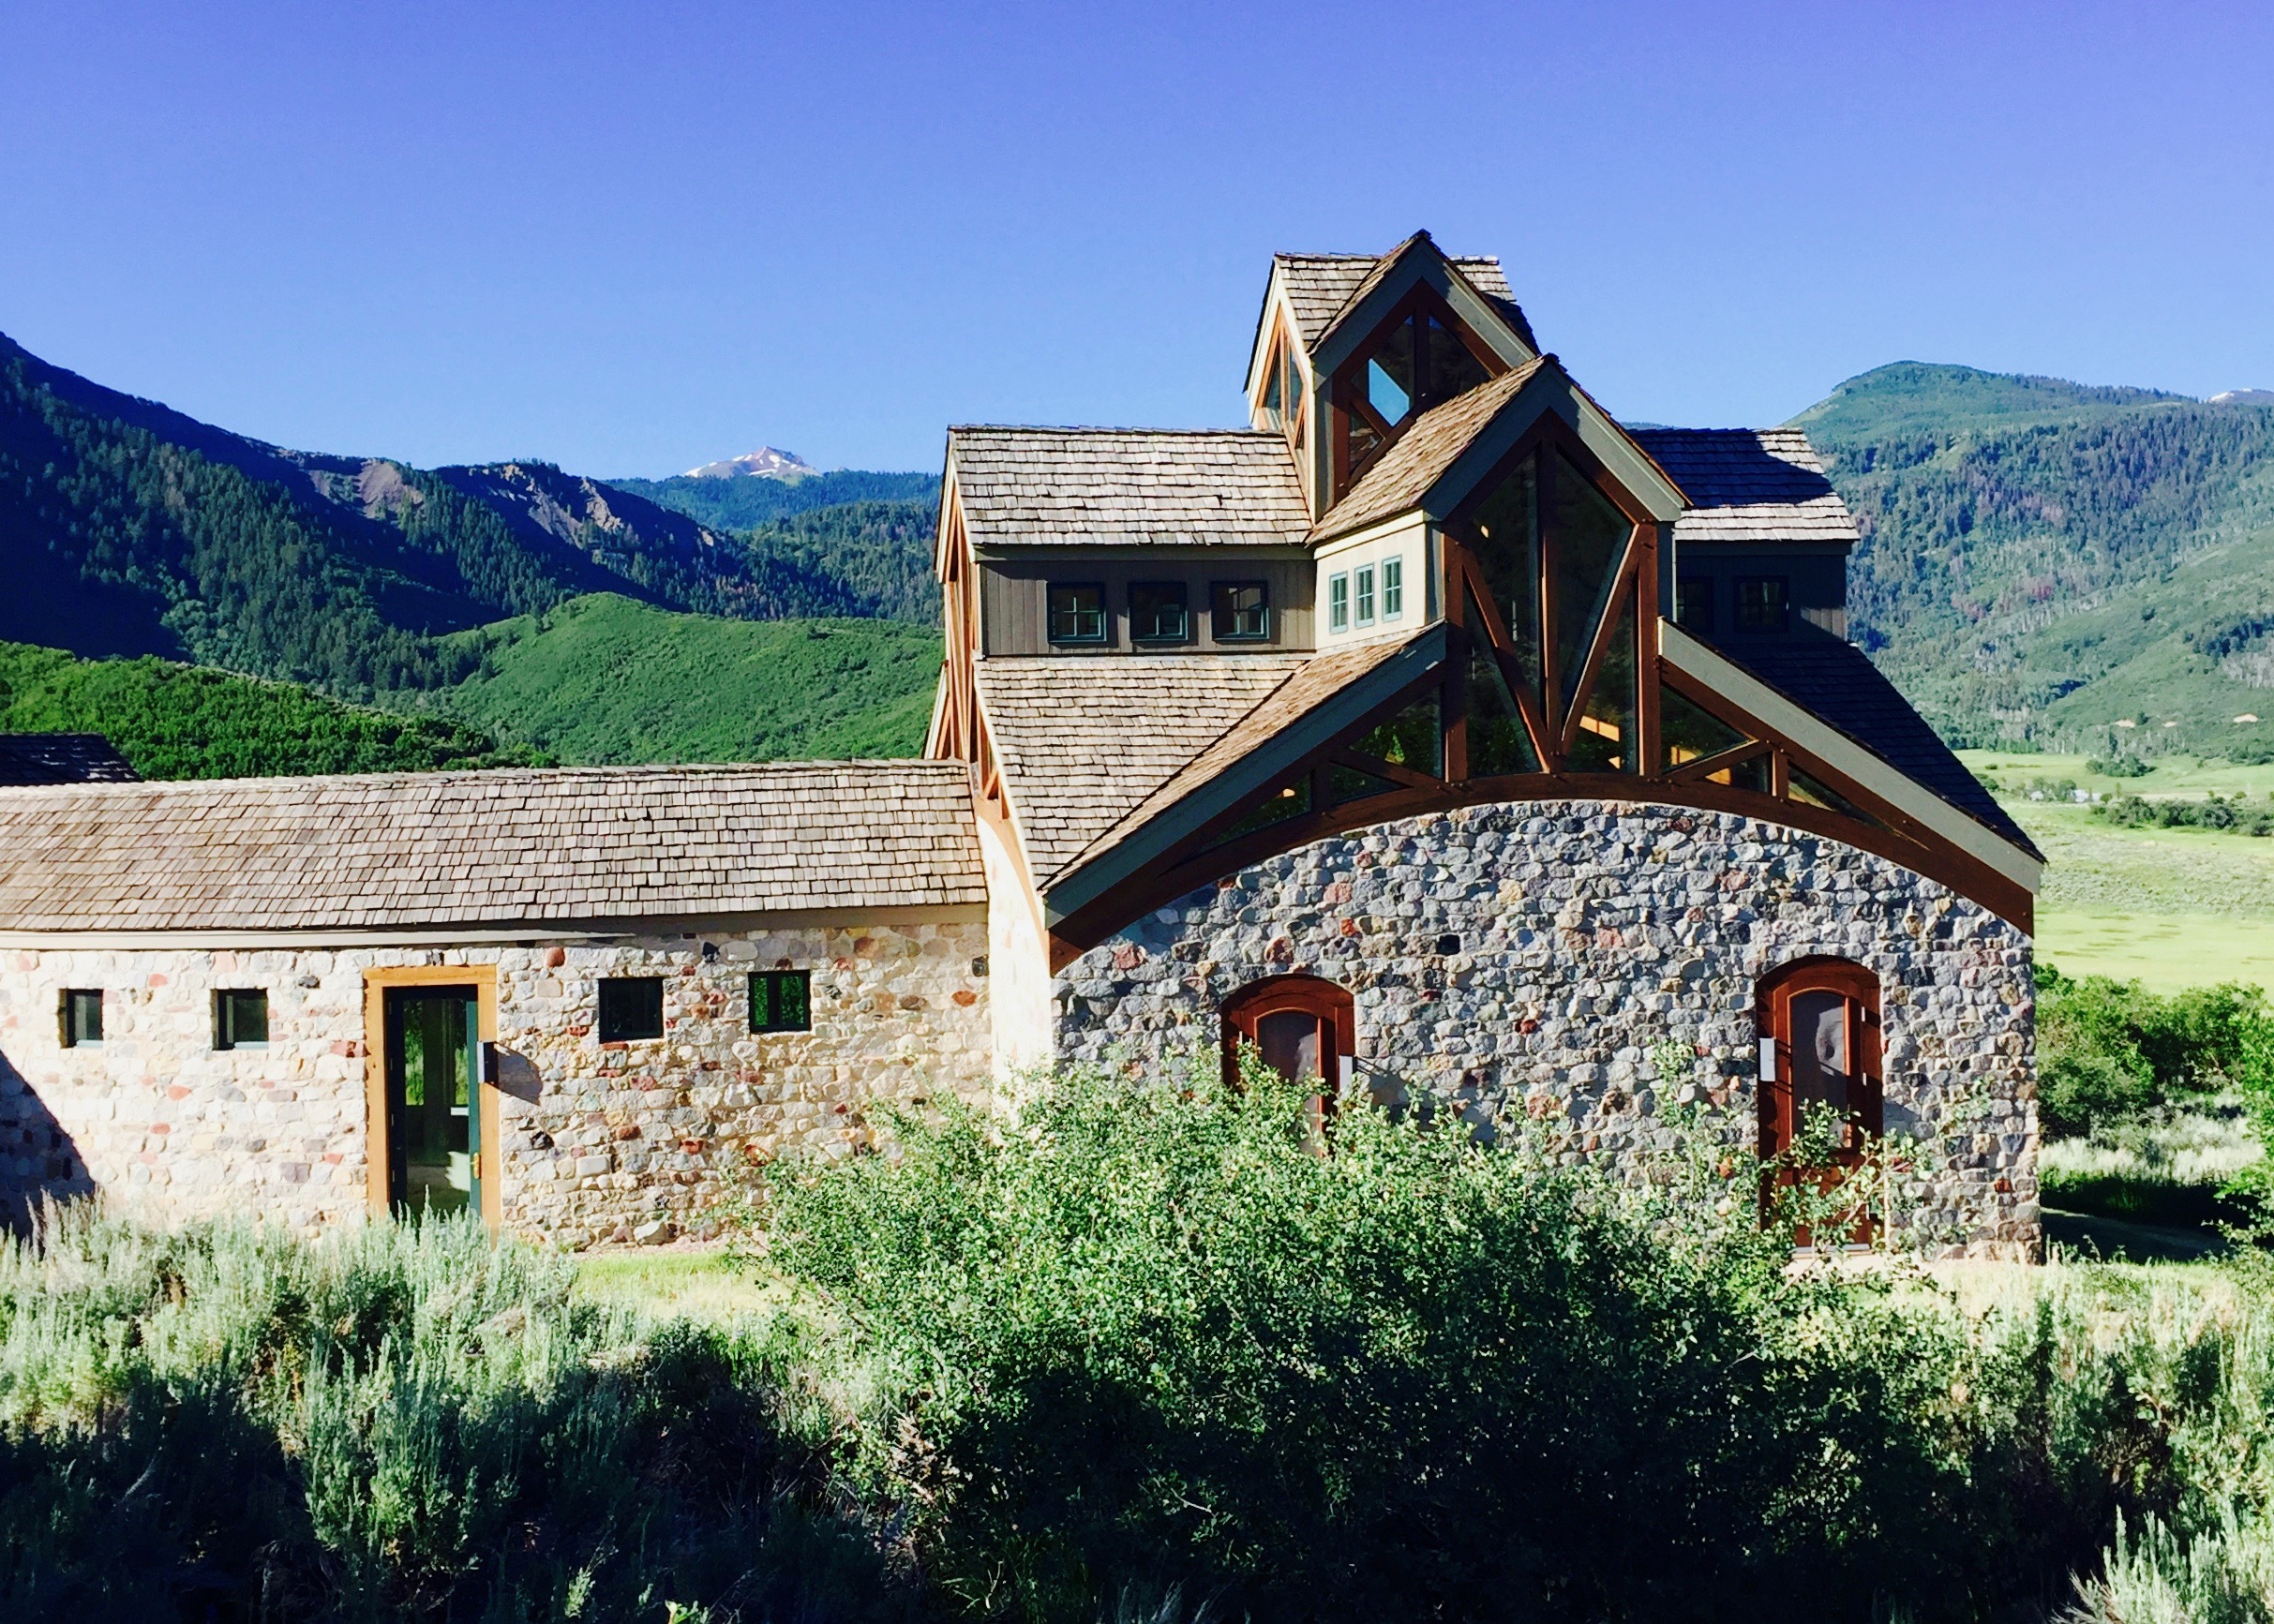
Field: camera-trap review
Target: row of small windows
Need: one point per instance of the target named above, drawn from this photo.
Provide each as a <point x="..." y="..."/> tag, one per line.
<point x="630" y="1006"/>
<point x="1763" y="604"/>
<point x="1240" y="612"/>
<point x="1359" y="597"/>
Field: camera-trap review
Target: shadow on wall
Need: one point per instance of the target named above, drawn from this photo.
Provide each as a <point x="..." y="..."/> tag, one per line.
<point x="39" y="1160"/>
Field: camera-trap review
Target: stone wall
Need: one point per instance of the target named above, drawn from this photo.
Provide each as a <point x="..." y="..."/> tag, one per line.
<point x="600" y="1141"/>
<point x="1528" y="957"/>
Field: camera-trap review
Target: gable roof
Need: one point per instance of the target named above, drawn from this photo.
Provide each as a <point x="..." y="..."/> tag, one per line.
<point x="1126" y="486"/>
<point x="1416" y="460"/>
<point x="1081" y="740"/>
<point x="29" y="758"/>
<point x="1320" y="287"/>
<point x="1749" y="484"/>
<point x="567" y="849"/>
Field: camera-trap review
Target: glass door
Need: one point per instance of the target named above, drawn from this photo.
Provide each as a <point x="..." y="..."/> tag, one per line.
<point x="434" y="1120"/>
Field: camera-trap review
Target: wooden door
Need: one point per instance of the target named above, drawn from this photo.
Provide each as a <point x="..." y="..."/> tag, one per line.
<point x="1820" y="1026"/>
<point x="1305" y="1028"/>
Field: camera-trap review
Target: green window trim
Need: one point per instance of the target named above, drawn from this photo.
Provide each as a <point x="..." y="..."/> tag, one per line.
<point x="1362" y="593"/>
<point x="1240" y="611"/>
<point x="630" y="1008"/>
<point x="781" y="1001"/>
<point x="1157" y="613"/>
<point x="1393" y="588"/>
<point x="240" y="1018"/>
<point x="80" y="1016"/>
<point x="1077" y="615"/>
<point x="1337" y="603"/>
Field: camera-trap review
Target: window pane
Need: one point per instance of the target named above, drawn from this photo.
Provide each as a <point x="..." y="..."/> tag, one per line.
<point x="1157" y="612"/>
<point x="1687" y="733"/>
<point x="1694" y="605"/>
<point x="1290" y="1043"/>
<point x="631" y="1006"/>
<point x="1814" y="792"/>
<point x="1338" y="603"/>
<point x="1077" y="613"/>
<point x="1820" y="1072"/>
<point x="1291" y="390"/>
<point x="1591" y="536"/>
<point x="1393" y="588"/>
<point x="1747" y="775"/>
<point x="1764" y="602"/>
<point x="1292" y="801"/>
<point x="1411" y="738"/>
<point x="1241" y="610"/>
<point x="1389" y="375"/>
<point x="1606" y="739"/>
<point x="1360" y="438"/>
<point x="243" y="1017"/>
<point x="1272" y="412"/>
<point x="780" y="1000"/>
<point x="1365" y="594"/>
<point x="1507" y="540"/>
<point x="1453" y="369"/>
<point x="83" y="1017"/>
<point x="1498" y="740"/>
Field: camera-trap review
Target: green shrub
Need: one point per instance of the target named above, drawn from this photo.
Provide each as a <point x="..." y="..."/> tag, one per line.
<point x="1149" y="1331"/>
<point x="403" y="1422"/>
<point x="2112" y="1053"/>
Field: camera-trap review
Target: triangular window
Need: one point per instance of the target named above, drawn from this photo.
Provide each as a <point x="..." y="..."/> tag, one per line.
<point x="1453" y="368"/>
<point x="1605" y="739"/>
<point x="1499" y="742"/>
<point x="1689" y="732"/>
<point x="1346" y="783"/>
<point x="1414" y="738"/>
<point x="1590" y="537"/>
<point x="1506" y="542"/>
<point x="1808" y="791"/>
<point x="1420" y="358"/>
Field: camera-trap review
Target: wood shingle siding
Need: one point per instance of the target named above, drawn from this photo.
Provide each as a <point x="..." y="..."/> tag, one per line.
<point x="1090" y="487"/>
<point x="1081" y="742"/>
<point x="487" y="850"/>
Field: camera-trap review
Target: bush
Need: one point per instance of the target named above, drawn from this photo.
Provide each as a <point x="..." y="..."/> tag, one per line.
<point x="405" y="1421"/>
<point x="2112" y="1053"/>
<point x="1150" y="1332"/>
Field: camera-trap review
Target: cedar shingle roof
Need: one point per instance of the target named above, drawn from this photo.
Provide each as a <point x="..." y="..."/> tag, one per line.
<point x="1123" y="487"/>
<point x="1838" y="681"/>
<point x="396" y="851"/>
<point x="1321" y="286"/>
<point x="1315" y="681"/>
<point x="1414" y="462"/>
<point x="1082" y="739"/>
<point x="1749" y="484"/>
<point x="29" y="758"/>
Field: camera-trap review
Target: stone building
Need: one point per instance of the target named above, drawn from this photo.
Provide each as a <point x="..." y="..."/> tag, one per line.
<point x="1434" y="733"/>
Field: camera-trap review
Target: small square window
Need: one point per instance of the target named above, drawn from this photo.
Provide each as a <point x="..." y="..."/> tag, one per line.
<point x="1363" y="590"/>
<point x="1242" y="611"/>
<point x="1694" y="605"/>
<point x="1077" y="613"/>
<point x="240" y="1018"/>
<point x="781" y="1001"/>
<point x="1337" y="603"/>
<point x="1764" y="603"/>
<point x="82" y="1017"/>
<point x="1393" y="588"/>
<point x="1157" y="613"/>
<point x="631" y="1006"/>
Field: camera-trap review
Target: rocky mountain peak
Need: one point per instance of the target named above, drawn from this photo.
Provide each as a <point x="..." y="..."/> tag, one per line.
<point x="763" y="463"/>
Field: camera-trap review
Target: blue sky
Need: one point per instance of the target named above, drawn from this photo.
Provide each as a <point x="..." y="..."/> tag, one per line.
<point x="631" y="238"/>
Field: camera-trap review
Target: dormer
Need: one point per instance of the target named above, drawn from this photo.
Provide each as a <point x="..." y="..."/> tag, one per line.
<point x="1350" y="348"/>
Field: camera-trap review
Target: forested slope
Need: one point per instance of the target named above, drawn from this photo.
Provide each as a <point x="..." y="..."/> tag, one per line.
<point x="2042" y="560"/>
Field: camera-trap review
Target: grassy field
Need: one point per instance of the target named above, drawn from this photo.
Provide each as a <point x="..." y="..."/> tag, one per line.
<point x="2171" y="908"/>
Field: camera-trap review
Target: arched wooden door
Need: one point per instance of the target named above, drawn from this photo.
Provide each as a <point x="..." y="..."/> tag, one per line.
<point x="1302" y="1025"/>
<point x="1818" y="1020"/>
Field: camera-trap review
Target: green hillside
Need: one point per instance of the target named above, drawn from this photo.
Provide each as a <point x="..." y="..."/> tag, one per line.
<point x="605" y="678"/>
<point x="2042" y="560"/>
<point x="173" y="721"/>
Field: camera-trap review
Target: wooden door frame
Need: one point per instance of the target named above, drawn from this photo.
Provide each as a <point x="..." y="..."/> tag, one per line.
<point x="483" y="979"/>
<point x="1298" y="990"/>
<point x="1773" y="1016"/>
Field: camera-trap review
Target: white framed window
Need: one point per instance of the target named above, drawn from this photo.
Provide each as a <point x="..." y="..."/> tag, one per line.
<point x="1364" y="593"/>
<point x="1393" y="588"/>
<point x="1337" y="603"/>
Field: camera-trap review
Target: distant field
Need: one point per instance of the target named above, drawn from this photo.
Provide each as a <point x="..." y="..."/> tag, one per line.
<point x="606" y="679"/>
<point x="2171" y="908"/>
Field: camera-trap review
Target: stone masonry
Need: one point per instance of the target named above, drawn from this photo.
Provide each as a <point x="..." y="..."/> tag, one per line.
<point x="600" y="1142"/>
<point x="1529" y="957"/>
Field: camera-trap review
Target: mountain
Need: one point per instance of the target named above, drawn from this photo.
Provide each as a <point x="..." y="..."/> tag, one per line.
<point x="745" y="504"/>
<point x="2042" y="559"/>
<point x="2244" y="398"/>
<point x="763" y="463"/>
<point x="608" y="678"/>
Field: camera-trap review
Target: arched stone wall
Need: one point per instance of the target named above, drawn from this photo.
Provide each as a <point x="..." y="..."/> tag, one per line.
<point x="1529" y="957"/>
